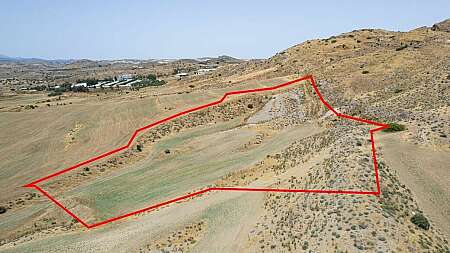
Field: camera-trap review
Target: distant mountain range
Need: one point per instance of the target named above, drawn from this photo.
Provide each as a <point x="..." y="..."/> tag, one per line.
<point x="5" y="58"/>
<point x="9" y="59"/>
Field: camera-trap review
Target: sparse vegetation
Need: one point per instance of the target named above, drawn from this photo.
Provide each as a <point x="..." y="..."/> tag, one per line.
<point x="401" y="47"/>
<point x="2" y="209"/>
<point x="55" y="93"/>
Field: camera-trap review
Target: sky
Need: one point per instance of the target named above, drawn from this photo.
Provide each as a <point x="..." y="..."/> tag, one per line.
<point x="94" y="29"/>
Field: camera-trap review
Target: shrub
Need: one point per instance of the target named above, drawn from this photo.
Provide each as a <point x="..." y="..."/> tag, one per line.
<point x="305" y="245"/>
<point x="55" y="93"/>
<point x="365" y="72"/>
<point x="250" y="106"/>
<point x="41" y="87"/>
<point x="421" y="221"/>
<point x="63" y="88"/>
<point x="151" y="77"/>
<point x="394" y="127"/>
<point x="80" y="89"/>
<point x="2" y="209"/>
<point x="401" y="47"/>
<point x="139" y="147"/>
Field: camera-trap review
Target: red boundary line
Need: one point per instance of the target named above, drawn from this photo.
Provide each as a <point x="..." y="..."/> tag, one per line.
<point x="304" y="78"/>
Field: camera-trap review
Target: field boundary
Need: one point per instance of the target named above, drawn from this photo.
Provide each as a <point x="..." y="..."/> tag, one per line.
<point x="309" y="78"/>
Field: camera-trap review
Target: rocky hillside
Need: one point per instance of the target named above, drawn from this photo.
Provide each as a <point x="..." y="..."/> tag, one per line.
<point x="401" y="77"/>
<point x="390" y="76"/>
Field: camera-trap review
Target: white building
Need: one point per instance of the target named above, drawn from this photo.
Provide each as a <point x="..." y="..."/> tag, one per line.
<point x="180" y="75"/>
<point x="78" y="85"/>
<point x="124" y="77"/>
<point x="204" y="71"/>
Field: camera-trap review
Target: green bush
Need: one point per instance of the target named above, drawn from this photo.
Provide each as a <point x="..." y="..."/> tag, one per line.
<point x="64" y="87"/>
<point x="2" y="209"/>
<point x="394" y="127"/>
<point x="80" y="89"/>
<point x="41" y="87"/>
<point x="420" y="221"/>
<point x="139" y="147"/>
<point x="365" y="72"/>
<point x="151" y="77"/>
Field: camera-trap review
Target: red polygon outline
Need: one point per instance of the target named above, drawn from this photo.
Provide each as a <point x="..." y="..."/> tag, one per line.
<point x="380" y="126"/>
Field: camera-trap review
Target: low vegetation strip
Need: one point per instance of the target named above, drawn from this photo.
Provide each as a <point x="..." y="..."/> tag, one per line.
<point x="308" y="78"/>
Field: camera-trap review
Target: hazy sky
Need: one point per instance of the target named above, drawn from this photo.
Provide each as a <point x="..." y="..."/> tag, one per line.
<point x="175" y="29"/>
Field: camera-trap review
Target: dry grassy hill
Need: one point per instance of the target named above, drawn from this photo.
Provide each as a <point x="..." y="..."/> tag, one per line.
<point x="284" y="139"/>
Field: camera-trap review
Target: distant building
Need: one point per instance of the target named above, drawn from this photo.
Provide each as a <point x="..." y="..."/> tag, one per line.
<point x="204" y="71"/>
<point x="181" y="75"/>
<point x="79" y="85"/>
<point x="124" y="77"/>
